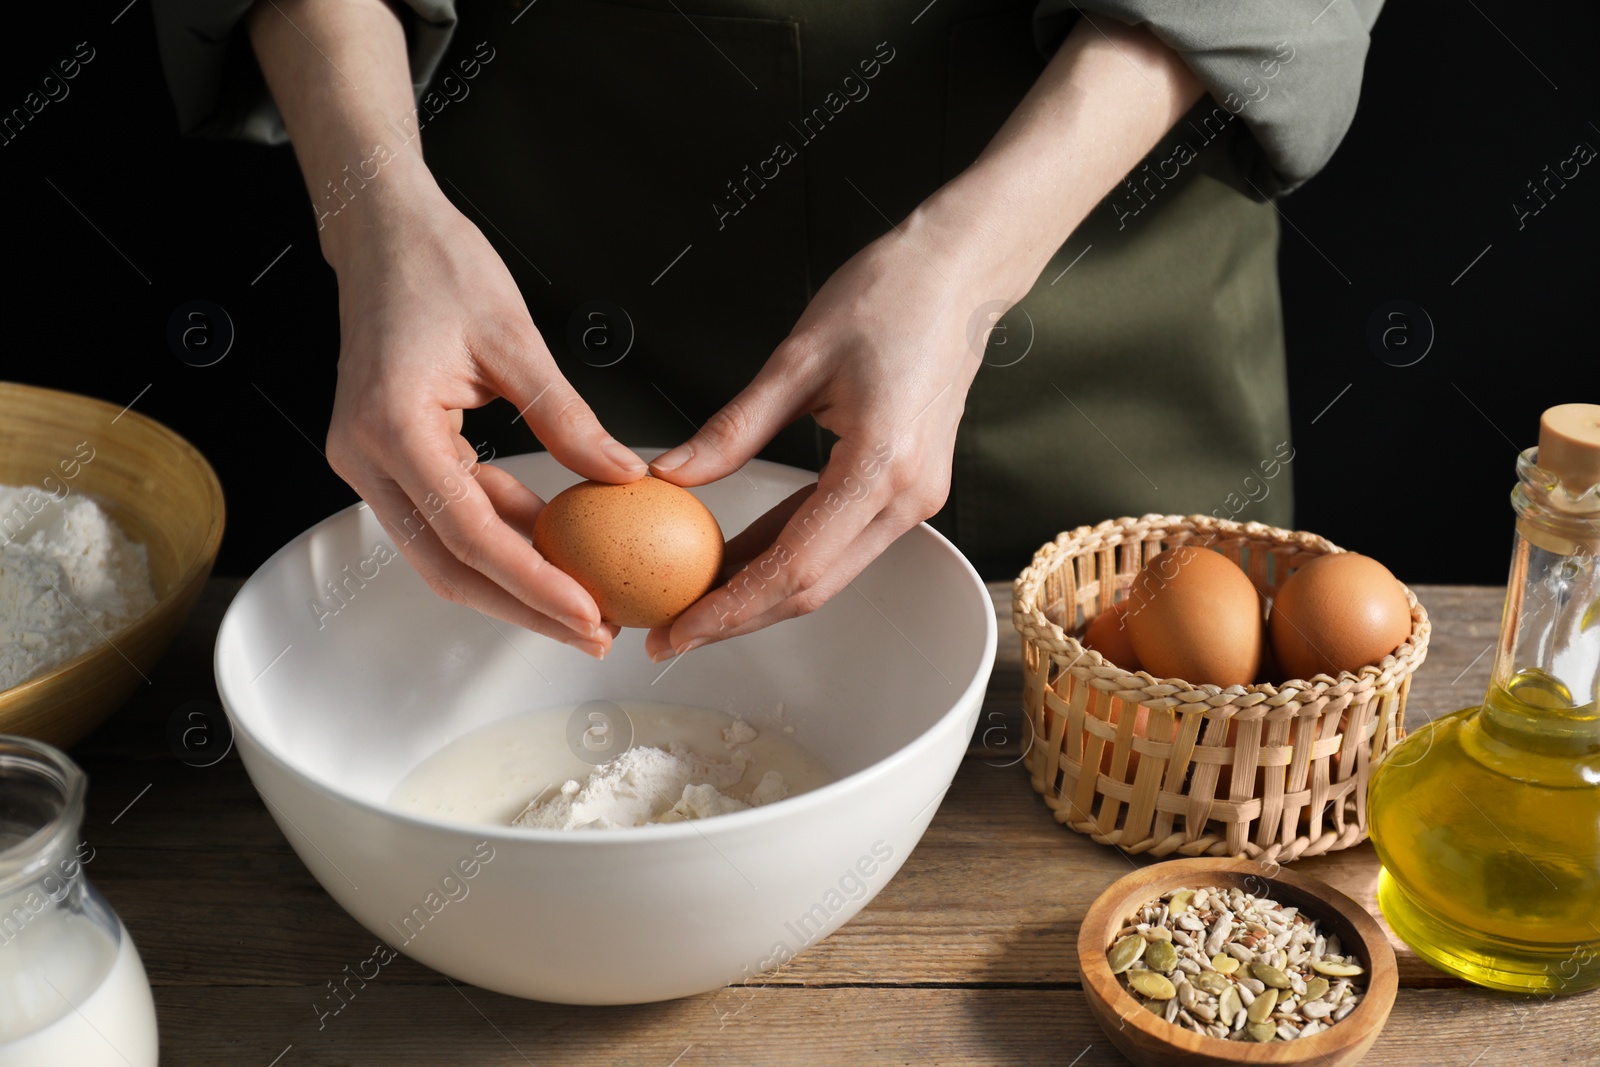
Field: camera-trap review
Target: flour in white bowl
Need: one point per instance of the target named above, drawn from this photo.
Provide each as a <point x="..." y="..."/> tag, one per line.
<point x="69" y="580"/>
<point x="671" y="762"/>
<point x="650" y="785"/>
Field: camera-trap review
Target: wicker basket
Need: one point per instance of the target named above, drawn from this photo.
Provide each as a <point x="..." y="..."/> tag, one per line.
<point x="1291" y="782"/>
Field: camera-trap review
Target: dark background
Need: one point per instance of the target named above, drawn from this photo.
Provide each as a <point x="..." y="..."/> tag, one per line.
<point x="1410" y="464"/>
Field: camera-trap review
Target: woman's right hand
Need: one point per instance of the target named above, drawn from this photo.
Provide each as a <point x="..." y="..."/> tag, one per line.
<point x="431" y="323"/>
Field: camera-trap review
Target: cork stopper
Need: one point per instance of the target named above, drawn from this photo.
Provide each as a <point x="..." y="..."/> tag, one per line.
<point x="1569" y="446"/>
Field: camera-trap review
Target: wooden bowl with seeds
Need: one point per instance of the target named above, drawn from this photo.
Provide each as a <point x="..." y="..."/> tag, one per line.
<point x="1321" y="963"/>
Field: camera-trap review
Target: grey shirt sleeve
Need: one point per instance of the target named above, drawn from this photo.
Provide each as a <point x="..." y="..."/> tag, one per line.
<point x="1291" y="69"/>
<point x="217" y="86"/>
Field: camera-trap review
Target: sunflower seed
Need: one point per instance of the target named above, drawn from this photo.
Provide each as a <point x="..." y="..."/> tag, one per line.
<point x="1231" y="965"/>
<point x="1219" y="934"/>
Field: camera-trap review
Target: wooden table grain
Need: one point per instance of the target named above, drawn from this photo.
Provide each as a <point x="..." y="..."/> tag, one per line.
<point x="965" y="958"/>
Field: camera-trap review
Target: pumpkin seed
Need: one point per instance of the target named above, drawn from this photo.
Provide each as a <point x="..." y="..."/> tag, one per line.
<point x="1153" y="985"/>
<point x="1270" y="975"/>
<point x="1160" y="957"/>
<point x="1228" y="1004"/>
<point x="1124" y="952"/>
<point x="1263" y="1006"/>
<point x="1262" y="1032"/>
<point x="1235" y="966"/>
<point x="1337" y="970"/>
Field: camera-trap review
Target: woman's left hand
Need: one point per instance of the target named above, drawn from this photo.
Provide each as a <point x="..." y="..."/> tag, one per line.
<point x="883" y="357"/>
<point x="887" y="349"/>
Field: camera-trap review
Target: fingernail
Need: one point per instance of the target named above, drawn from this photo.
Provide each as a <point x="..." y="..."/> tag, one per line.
<point x="622" y="455"/>
<point x="577" y="625"/>
<point x="675" y="458"/>
<point x="667" y="653"/>
<point x="591" y="648"/>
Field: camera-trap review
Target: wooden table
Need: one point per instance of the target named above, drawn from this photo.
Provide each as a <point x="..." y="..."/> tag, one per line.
<point x="967" y="957"/>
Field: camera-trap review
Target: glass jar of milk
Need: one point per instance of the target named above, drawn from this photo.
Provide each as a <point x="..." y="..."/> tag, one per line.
<point x="72" y="987"/>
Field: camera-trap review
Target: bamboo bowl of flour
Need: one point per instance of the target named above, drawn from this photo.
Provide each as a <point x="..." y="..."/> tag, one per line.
<point x="58" y="449"/>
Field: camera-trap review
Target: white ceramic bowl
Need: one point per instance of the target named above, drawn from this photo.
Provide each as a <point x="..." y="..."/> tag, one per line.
<point x="884" y="684"/>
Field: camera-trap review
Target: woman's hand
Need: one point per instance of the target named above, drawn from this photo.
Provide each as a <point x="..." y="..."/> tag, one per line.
<point x="883" y="357"/>
<point x="886" y="351"/>
<point x="432" y="323"/>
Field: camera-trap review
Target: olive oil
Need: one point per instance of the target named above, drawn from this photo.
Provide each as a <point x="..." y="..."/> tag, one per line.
<point x="1488" y="827"/>
<point x="1487" y="821"/>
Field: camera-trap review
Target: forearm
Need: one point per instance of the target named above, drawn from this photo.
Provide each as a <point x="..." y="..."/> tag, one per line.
<point x="1107" y="96"/>
<point x="339" y="73"/>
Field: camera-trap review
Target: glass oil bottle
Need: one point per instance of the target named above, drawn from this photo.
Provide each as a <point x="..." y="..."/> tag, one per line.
<point x="1487" y="821"/>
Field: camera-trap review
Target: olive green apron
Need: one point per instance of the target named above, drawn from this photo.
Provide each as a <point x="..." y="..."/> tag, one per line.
<point x="706" y="177"/>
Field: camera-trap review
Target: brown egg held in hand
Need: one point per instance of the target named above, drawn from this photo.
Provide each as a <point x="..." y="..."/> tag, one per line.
<point x="645" y="550"/>
<point x="1194" y="615"/>
<point x="1107" y="634"/>
<point x="1340" y="612"/>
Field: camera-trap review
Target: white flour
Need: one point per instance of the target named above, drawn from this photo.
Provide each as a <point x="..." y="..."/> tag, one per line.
<point x="652" y="785"/>
<point x="69" y="580"/>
